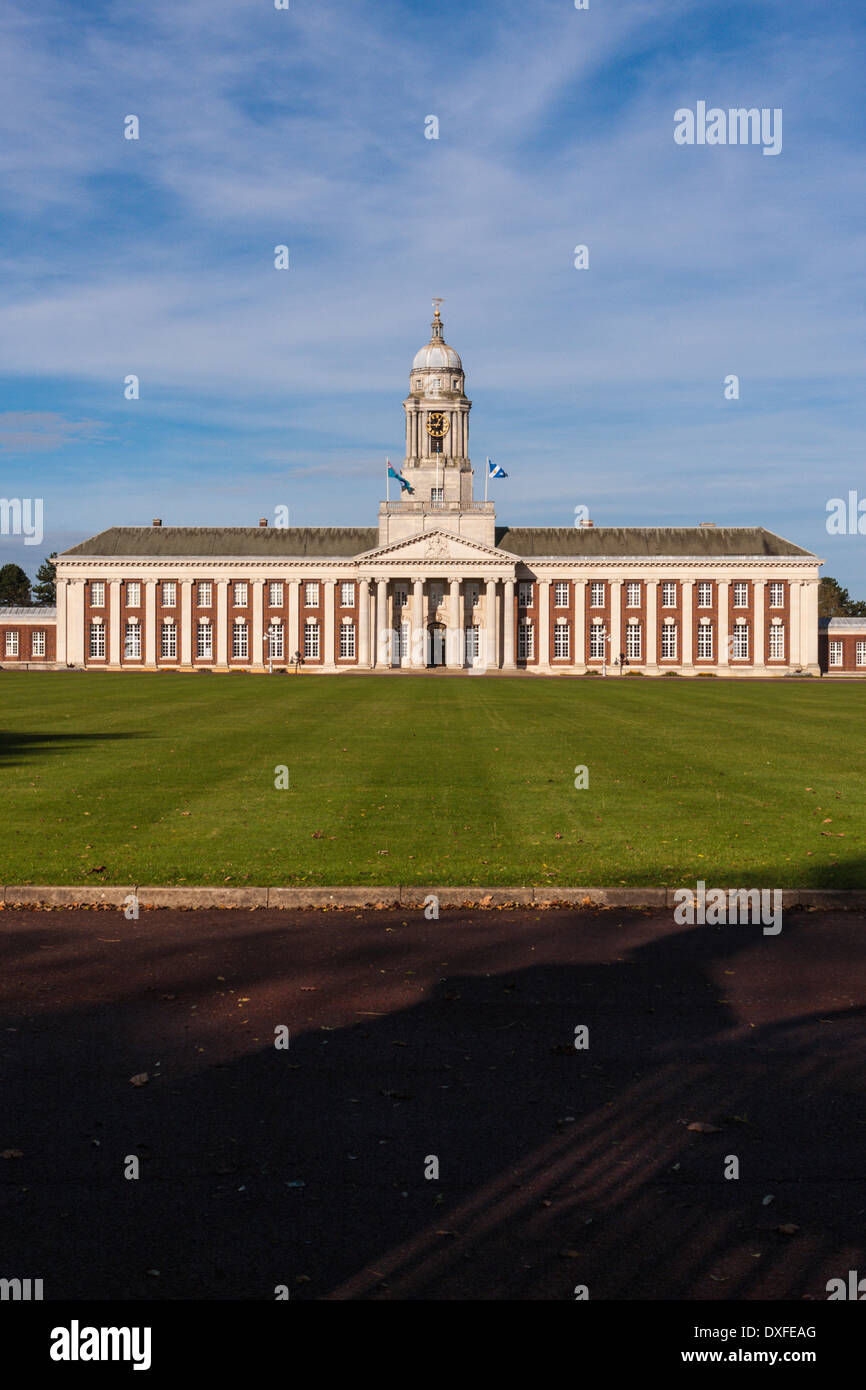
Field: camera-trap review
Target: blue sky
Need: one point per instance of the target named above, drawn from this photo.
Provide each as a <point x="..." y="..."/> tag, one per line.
<point x="305" y="127"/>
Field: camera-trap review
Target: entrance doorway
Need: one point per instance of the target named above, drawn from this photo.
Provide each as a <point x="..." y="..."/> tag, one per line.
<point x="436" y="644"/>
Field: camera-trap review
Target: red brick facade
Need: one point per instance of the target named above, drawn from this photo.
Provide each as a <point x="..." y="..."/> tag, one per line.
<point x="26" y="641"/>
<point x="119" y="631"/>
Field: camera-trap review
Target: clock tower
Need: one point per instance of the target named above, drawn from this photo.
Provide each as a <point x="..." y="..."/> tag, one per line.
<point x="437" y="464"/>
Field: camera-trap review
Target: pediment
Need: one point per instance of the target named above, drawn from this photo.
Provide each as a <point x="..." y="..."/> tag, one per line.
<point x="437" y="547"/>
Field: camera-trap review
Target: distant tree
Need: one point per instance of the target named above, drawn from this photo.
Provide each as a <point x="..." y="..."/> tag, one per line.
<point x="14" y="586"/>
<point x="45" y="588"/>
<point x="836" y="602"/>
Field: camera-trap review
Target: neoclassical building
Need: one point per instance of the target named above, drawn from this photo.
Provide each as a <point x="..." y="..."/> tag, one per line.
<point x="439" y="583"/>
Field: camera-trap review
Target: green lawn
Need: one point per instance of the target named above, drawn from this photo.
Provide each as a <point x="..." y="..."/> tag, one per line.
<point x="170" y="779"/>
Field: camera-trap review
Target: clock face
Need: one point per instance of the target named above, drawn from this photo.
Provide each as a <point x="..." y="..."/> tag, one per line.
<point x="438" y="424"/>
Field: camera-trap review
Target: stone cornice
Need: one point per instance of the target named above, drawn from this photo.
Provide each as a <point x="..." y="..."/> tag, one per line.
<point x="704" y="562"/>
<point x="393" y="564"/>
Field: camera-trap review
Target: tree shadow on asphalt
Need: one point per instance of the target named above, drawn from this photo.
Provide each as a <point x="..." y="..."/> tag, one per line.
<point x="558" y="1167"/>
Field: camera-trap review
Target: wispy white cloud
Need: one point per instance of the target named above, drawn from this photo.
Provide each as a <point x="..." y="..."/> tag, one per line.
<point x="35" y="431"/>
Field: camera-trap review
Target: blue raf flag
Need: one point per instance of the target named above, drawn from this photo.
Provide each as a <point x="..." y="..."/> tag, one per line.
<point x="494" y="471"/>
<point x="404" y="486"/>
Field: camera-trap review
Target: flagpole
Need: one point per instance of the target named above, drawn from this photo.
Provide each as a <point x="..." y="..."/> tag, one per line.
<point x="387" y="480"/>
<point x="486" y="479"/>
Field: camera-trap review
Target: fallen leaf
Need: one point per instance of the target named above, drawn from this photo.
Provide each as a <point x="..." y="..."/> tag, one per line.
<point x="789" y="1229"/>
<point x="141" y="1078"/>
<point x="12" y="1153"/>
<point x="698" y="1127"/>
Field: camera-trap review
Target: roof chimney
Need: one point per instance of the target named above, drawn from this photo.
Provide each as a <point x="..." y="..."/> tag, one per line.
<point x="708" y="523"/>
<point x="157" y="521"/>
<point x="263" y="521"/>
<point x="587" y="523"/>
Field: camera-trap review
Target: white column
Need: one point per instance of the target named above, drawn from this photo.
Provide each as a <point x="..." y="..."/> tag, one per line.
<point x="185" y="647"/>
<point x="544" y="622"/>
<point x="383" y="641"/>
<point x="418" y="644"/>
<point x="652" y="613"/>
<point x="150" y="622"/>
<point x="454" y="655"/>
<point x="293" y="635"/>
<point x="60" y="638"/>
<point x="75" y="622"/>
<point x="364" y="622"/>
<point x="759" y="639"/>
<point x="258" y="652"/>
<point x="221" y="653"/>
<point x="580" y="623"/>
<point x="490" y="624"/>
<point x="509" y="662"/>
<point x="687" y="635"/>
<point x="114" y="649"/>
<point x="795" y="594"/>
<point x="615" y="620"/>
<point x="330" y="595"/>
<point x="809" y="625"/>
<point x="722" y="658"/>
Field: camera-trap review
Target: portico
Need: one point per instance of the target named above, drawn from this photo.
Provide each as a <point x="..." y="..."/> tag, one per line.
<point x="419" y="594"/>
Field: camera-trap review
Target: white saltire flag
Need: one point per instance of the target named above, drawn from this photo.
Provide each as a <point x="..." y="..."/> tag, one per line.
<point x="493" y="471"/>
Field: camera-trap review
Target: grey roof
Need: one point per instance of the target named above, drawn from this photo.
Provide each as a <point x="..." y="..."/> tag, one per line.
<point x="346" y="541"/>
<point x="843" y="624"/>
<point x="34" y="611"/>
<point x="589" y="541"/>
<point x="265" y="541"/>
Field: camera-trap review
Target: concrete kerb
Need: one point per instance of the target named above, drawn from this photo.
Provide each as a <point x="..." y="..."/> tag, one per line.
<point x="87" y="895"/>
<point x="467" y="897"/>
<point x="95" y="895"/>
<point x="600" y="897"/>
<point x="201" y="897"/>
<point x="333" y="897"/>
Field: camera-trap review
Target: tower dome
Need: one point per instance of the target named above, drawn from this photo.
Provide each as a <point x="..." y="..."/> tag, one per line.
<point x="437" y="354"/>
